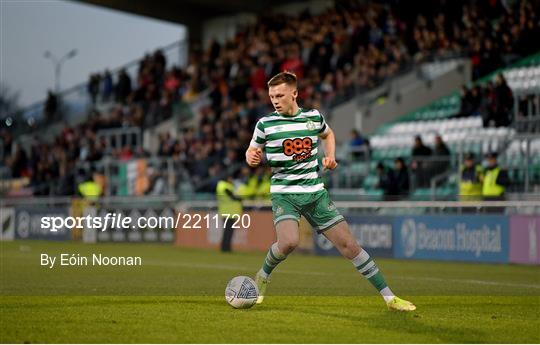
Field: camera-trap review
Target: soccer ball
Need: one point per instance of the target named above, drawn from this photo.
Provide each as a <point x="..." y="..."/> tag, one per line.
<point x="241" y="292"/>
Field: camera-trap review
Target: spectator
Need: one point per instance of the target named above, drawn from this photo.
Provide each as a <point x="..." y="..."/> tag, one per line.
<point x="263" y="175"/>
<point x="420" y="165"/>
<point x="157" y="184"/>
<point x="488" y="107"/>
<point x="7" y="143"/>
<point x="229" y="204"/>
<point x="494" y="183"/>
<point x="386" y="181"/>
<point x="476" y="100"/>
<point x="93" y="87"/>
<point x="19" y="164"/>
<point x="294" y="63"/>
<point x="471" y="177"/>
<point x="356" y="144"/>
<point x="400" y="183"/>
<point x="89" y="188"/>
<point x="467" y="106"/>
<point x="495" y="180"/>
<point x="66" y="180"/>
<point x="123" y="86"/>
<point x="172" y="82"/>
<point x="419" y="149"/>
<point x="51" y="106"/>
<point x="442" y="156"/>
<point x="107" y="87"/>
<point x="505" y="102"/>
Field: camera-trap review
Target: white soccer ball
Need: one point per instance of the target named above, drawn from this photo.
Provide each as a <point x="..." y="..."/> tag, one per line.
<point x="241" y="292"/>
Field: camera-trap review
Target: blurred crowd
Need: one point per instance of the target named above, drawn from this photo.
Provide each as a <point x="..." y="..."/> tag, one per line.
<point x="351" y="47"/>
<point x="426" y="162"/>
<point x="494" y="102"/>
<point x="476" y="181"/>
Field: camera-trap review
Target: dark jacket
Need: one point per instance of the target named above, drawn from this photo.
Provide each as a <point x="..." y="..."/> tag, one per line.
<point x="399" y="183"/>
<point x="421" y="151"/>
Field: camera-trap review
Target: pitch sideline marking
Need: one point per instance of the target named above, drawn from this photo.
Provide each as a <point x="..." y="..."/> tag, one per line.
<point x="243" y="268"/>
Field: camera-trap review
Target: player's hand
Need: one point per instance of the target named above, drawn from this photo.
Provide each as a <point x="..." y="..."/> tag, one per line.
<point x="329" y="163"/>
<point x="254" y="157"/>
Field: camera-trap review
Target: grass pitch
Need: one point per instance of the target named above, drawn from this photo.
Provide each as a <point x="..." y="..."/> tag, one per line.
<point x="177" y="296"/>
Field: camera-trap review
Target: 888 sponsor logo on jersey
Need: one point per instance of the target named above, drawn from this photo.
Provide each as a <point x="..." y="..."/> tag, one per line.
<point x="299" y="148"/>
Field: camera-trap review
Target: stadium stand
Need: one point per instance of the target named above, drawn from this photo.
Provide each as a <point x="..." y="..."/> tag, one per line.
<point x="468" y="134"/>
<point x="338" y="54"/>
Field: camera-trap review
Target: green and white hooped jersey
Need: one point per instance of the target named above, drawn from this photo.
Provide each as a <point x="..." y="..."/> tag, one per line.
<point x="291" y="145"/>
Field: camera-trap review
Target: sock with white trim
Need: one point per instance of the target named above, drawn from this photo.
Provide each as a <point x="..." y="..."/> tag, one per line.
<point x="367" y="267"/>
<point x="273" y="258"/>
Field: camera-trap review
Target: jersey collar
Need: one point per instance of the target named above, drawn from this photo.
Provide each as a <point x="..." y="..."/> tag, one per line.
<point x="291" y="116"/>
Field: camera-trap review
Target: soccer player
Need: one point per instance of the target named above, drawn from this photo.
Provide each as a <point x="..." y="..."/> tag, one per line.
<point x="290" y="139"/>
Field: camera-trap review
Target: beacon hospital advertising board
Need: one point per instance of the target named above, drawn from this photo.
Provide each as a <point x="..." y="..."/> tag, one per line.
<point x="453" y="238"/>
<point x="439" y="237"/>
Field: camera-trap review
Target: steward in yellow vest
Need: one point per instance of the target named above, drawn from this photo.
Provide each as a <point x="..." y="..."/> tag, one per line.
<point x="263" y="189"/>
<point x="229" y="208"/>
<point x="261" y="186"/>
<point x="228" y="202"/>
<point x="247" y="184"/>
<point x="495" y="180"/>
<point x="89" y="189"/>
<point x="470" y="182"/>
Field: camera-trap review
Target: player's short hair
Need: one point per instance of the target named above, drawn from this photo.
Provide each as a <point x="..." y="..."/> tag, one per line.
<point x="285" y="77"/>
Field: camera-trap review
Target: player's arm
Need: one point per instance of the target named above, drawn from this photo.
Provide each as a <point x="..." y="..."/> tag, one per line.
<point x="254" y="151"/>
<point x="329" y="143"/>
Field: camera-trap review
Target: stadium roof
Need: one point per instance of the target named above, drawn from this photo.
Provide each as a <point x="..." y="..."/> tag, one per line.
<point x="191" y="13"/>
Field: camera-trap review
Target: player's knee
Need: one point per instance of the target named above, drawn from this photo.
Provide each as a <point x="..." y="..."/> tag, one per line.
<point x="349" y="249"/>
<point x="287" y="245"/>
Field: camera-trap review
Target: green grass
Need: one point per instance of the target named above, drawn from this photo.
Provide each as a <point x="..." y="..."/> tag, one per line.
<point x="177" y="296"/>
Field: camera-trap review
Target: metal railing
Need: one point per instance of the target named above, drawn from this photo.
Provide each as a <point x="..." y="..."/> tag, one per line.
<point x="118" y="138"/>
<point x="439" y="171"/>
<point x="137" y="177"/>
<point x="515" y="204"/>
<point x="159" y="175"/>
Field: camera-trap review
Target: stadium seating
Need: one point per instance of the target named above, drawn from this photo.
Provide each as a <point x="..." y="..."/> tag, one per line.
<point x="464" y="134"/>
<point x="221" y="96"/>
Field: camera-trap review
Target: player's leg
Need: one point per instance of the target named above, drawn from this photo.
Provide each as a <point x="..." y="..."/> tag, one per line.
<point x="326" y="219"/>
<point x="286" y="218"/>
<point x="287" y="240"/>
<point x="342" y="238"/>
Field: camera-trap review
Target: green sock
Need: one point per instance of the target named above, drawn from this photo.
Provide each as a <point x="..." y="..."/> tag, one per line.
<point x="273" y="258"/>
<point x="367" y="267"/>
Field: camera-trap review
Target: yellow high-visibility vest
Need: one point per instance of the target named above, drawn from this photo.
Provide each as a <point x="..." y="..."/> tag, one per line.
<point x="469" y="188"/>
<point x="90" y="190"/>
<point x="263" y="189"/>
<point x="490" y="187"/>
<point x="226" y="205"/>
